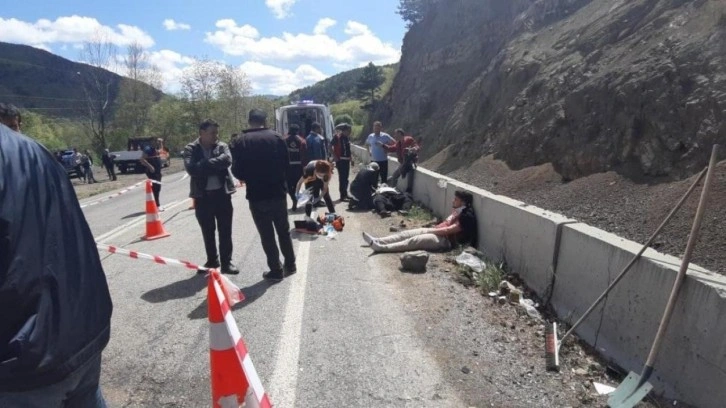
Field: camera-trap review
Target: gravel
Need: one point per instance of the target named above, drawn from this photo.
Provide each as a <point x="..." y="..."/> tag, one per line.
<point x="630" y="209"/>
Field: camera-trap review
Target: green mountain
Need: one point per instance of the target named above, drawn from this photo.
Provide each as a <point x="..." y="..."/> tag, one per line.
<point x="336" y="89"/>
<point x="41" y="82"/>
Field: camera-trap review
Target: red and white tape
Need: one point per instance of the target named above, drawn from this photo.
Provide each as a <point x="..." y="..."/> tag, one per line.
<point x="154" y="258"/>
<point x="112" y="196"/>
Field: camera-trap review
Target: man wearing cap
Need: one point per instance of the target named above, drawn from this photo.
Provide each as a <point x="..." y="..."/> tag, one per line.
<point x="152" y="161"/>
<point x="343" y="158"/>
<point x="297" y="154"/>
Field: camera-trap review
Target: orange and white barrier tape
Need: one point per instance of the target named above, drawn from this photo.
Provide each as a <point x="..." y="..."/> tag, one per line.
<point x="232" y="293"/>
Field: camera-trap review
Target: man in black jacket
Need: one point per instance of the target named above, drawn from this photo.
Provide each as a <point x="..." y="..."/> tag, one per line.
<point x="55" y="307"/>
<point x="107" y="160"/>
<point x="207" y="160"/>
<point x="260" y="160"/>
<point x="364" y="185"/>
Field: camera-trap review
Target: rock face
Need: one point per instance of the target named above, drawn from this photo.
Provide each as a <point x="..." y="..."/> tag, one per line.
<point x="634" y="86"/>
<point x="414" y="261"/>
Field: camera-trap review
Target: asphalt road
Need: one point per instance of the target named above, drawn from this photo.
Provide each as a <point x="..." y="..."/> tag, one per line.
<point x="336" y="334"/>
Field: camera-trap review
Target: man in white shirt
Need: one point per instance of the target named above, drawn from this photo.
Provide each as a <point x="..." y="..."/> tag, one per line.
<point x="377" y="142"/>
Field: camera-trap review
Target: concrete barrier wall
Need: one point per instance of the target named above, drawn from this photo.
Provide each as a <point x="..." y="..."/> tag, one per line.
<point x="691" y="365"/>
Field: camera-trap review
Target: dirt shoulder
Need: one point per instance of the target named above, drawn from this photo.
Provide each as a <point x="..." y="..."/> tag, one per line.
<point x="615" y="204"/>
<point x="492" y="353"/>
<point x="104" y="185"/>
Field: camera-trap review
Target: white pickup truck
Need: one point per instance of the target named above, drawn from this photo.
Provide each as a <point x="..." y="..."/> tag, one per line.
<point x="304" y="114"/>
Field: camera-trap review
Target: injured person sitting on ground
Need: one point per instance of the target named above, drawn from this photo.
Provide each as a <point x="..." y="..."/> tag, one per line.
<point x="460" y="228"/>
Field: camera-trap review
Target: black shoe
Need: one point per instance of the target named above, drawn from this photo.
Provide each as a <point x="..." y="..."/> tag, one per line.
<point x="345" y="198"/>
<point x="274" y="277"/>
<point x="230" y="269"/>
<point x="289" y="270"/>
<point x="211" y="264"/>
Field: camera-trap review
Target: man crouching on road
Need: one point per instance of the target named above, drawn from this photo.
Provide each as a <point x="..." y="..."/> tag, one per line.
<point x="208" y="161"/>
<point x="55" y="308"/>
<point x="260" y="160"/>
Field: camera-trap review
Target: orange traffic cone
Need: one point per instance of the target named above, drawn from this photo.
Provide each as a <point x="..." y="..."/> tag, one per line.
<point x="233" y="376"/>
<point x="154" y="227"/>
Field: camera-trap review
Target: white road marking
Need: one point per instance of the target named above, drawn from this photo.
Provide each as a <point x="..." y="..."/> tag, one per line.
<point x="283" y="385"/>
<point x="133" y="223"/>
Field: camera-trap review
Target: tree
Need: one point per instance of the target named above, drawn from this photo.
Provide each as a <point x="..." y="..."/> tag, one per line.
<point x="414" y="11"/>
<point x="344" y="118"/>
<point x="199" y="85"/>
<point x="98" y="87"/>
<point x="368" y="84"/>
<point x="170" y="121"/>
<point x="233" y="88"/>
<point x="137" y="92"/>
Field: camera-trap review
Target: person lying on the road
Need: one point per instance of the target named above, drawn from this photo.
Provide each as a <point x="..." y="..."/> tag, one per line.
<point x="316" y="176"/>
<point x="458" y="229"/>
<point x="364" y="185"/>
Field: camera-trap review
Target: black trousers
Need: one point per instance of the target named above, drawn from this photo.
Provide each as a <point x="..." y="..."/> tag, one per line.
<point x="317" y="187"/>
<point x="405" y="170"/>
<point x="111" y="171"/>
<point x="343" y="167"/>
<point x="383" y="172"/>
<point x="155" y="187"/>
<point x="294" y="172"/>
<point x="214" y="212"/>
<point x="270" y="216"/>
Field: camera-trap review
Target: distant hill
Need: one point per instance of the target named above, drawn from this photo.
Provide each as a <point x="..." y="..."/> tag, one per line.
<point x="45" y="83"/>
<point x="338" y="88"/>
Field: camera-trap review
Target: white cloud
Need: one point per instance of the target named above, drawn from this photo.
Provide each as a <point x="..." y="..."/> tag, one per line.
<point x="267" y="79"/>
<point x="323" y="25"/>
<point x="361" y="46"/>
<point x="171" y="64"/>
<point x="280" y="8"/>
<point x="172" y="25"/>
<point x="72" y="29"/>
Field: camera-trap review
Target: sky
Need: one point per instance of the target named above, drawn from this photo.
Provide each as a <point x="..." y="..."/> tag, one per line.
<point x="281" y="45"/>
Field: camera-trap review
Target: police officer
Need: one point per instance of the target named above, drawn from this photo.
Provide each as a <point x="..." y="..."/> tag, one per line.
<point x="297" y="153"/>
<point x="343" y="158"/>
<point x="151" y="160"/>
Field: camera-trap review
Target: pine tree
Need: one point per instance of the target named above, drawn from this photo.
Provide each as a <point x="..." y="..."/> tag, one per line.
<point x="368" y="84"/>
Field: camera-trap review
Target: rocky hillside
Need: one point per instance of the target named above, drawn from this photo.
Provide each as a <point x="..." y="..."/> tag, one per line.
<point x="632" y="86"/>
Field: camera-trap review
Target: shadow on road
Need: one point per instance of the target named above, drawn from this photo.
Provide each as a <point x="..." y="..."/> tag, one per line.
<point x="132" y="215"/>
<point x="251" y="293"/>
<point x="177" y="290"/>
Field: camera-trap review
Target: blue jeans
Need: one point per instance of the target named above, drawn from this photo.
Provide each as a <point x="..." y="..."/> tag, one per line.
<point x="79" y="390"/>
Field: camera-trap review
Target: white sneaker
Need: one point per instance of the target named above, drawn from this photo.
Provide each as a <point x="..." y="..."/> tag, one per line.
<point x="161" y="209"/>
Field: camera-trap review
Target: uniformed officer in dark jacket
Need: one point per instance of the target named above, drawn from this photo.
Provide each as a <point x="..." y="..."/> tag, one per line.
<point x="342" y="156"/>
<point x="152" y="161"/>
<point x="297" y="154"/>
<point x="208" y="161"/>
<point x="259" y="158"/>
<point x="55" y="307"/>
